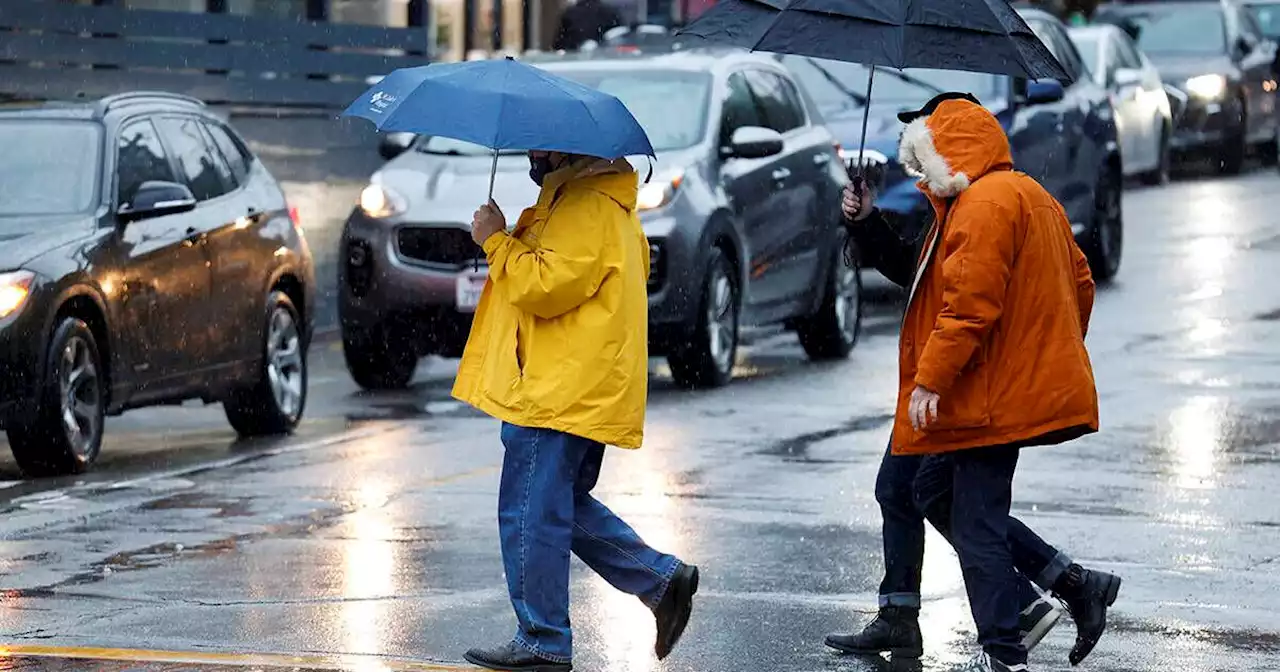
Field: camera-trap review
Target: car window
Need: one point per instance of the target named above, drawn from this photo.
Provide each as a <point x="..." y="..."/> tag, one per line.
<point x="140" y="157"/>
<point x="740" y="108"/>
<point x="1129" y="57"/>
<point x="196" y="159"/>
<point x="220" y="161"/>
<point x="1247" y="26"/>
<point x="1192" y="29"/>
<point x="1267" y="16"/>
<point x="237" y="156"/>
<point x="50" y="167"/>
<point x="1091" y="50"/>
<point x="1062" y="47"/>
<point x="781" y="111"/>
<point x="670" y="105"/>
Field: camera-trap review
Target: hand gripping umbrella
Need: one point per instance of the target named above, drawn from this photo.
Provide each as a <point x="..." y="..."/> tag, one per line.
<point x="503" y="104"/>
<point x="973" y="35"/>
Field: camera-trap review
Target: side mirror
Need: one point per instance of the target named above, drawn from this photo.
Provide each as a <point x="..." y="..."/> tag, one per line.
<point x="1042" y="91"/>
<point x="1126" y="77"/>
<point x="754" y="142"/>
<point x="394" y="144"/>
<point x="157" y="199"/>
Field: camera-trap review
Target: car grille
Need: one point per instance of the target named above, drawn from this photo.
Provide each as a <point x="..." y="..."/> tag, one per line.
<point x="446" y="246"/>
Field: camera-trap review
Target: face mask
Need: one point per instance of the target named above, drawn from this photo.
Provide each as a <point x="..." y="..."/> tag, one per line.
<point x="539" y="168"/>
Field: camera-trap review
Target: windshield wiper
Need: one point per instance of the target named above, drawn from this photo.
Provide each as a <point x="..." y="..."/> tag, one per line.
<point x="858" y="98"/>
<point x="904" y="77"/>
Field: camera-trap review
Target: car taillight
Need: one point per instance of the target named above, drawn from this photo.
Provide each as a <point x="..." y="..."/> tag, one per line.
<point x="295" y="218"/>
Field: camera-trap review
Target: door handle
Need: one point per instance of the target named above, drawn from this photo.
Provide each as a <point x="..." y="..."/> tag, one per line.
<point x="781" y="174"/>
<point x="821" y="159"/>
<point x="193" y="236"/>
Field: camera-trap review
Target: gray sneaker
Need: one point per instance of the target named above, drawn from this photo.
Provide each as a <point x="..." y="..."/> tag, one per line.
<point x="1037" y="620"/>
<point x="983" y="662"/>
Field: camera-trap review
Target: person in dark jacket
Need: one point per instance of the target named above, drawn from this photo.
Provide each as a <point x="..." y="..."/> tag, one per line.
<point x="917" y="481"/>
<point x="582" y="21"/>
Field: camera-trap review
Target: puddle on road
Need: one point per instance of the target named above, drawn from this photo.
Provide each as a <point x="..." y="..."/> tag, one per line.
<point x="796" y="448"/>
<point x="239" y="507"/>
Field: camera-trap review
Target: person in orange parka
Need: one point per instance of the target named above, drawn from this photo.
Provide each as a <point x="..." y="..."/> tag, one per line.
<point x="991" y="360"/>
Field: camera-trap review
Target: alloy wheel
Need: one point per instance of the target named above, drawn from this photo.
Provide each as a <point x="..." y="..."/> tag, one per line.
<point x="848" y="302"/>
<point x="80" y="392"/>
<point x="722" y="320"/>
<point x="285" y="362"/>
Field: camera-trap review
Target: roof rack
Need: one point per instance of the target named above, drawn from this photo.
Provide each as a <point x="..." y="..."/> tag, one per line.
<point x="140" y="96"/>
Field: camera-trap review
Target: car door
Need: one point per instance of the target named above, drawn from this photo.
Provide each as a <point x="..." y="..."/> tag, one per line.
<point x="165" y="283"/>
<point x="784" y="260"/>
<point x="1151" y="98"/>
<point x="1075" y="168"/>
<point x="210" y="329"/>
<point x="1131" y="103"/>
<point x="1040" y="146"/>
<point x="748" y="182"/>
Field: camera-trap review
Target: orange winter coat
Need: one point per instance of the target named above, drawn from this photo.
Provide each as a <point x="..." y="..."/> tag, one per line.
<point x="1001" y="298"/>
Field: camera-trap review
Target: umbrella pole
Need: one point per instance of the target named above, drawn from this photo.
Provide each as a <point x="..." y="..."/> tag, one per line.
<point x="866" y="114"/>
<point x="493" y="172"/>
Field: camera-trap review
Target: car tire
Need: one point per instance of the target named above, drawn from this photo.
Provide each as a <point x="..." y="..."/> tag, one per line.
<point x="832" y="332"/>
<point x="275" y="403"/>
<point x="1106" y="234"/>
<point x="65" y="434"/>
<point x="376" y="361"/>
<point x="706" y="359"/>
<point x="1160" y="174"/>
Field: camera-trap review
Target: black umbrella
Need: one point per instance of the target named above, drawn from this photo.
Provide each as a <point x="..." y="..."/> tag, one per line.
<point x="974" y="35"/>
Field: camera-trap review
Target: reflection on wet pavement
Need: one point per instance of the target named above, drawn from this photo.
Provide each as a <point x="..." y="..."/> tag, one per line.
<point x="376" y="535"/>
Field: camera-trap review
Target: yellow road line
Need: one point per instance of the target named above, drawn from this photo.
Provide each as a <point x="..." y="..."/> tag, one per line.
<point x="316" y="662"/>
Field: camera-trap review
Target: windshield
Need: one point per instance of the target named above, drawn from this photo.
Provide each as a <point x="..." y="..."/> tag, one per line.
<point x="671" y="105"/>
<point x="1087" y="45"/>
<point x="891" y="86"/>
<point x="1185" y="30"/>
<point x="1268" y="16"/>
<point x="50" y="167"/>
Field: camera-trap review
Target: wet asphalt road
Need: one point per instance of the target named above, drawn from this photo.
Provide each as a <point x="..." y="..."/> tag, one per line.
<point x="371" y="534"/>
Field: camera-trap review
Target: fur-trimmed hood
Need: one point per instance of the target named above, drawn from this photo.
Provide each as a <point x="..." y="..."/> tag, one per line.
<point x="954" y="147"/>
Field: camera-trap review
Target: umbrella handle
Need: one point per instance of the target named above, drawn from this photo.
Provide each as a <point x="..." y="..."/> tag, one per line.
<point x="493" y="172"/>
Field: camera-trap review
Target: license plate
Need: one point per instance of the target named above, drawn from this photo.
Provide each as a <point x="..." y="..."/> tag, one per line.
<point x="469" y="288"/>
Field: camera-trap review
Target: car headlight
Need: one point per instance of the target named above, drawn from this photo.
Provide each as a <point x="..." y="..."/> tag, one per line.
<point x="379" y="201"/>
<point x="15" y="287"/>
<point x="658" y="192"/>
<point x="1207" y="86"/>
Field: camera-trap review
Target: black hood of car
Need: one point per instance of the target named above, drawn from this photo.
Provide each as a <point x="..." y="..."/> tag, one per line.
<point x="1177" y="68"/>
<point x="26" y="237"/>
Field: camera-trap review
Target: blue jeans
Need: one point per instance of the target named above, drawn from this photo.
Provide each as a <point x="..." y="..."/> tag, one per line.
<point x="545" y="510"/>
<point x="911" y="489"/>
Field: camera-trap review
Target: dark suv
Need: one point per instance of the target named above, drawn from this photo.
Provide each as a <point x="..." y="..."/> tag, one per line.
<point x="742" y="215"/>
<point x="146" y="257"/>
<point x="1215" y="52"/>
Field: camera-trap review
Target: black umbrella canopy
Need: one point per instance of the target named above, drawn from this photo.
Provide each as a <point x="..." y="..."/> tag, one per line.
<point x="974" y="35"/>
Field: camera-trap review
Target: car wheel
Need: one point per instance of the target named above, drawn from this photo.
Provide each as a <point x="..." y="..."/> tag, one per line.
<point x="832" y="332"/>
<point x="376" y="361"/>
<point x="65" y="435"/>
<point x="274" y="404"/>
<point x="1160" y="174"/>
<point x="1106" y="239"/>
<point x="707" y="358"/>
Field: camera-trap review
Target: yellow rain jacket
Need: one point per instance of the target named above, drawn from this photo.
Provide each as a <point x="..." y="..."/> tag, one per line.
<point x="560" y="337"/>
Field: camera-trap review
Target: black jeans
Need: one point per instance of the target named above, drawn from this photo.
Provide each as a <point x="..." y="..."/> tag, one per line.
<point x="910" y="488"/>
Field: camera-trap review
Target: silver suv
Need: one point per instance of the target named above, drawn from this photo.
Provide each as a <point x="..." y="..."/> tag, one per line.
<point x="742" y="215"/>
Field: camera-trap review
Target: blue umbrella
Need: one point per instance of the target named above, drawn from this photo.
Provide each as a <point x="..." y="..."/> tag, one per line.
<point x="503" y="104"/>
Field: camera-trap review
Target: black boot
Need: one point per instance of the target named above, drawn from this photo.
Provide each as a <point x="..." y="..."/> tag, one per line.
<point x="513" y="658"/>
<point x="1087" y="594"/>
<point x="674" y="610"/>
<point x="895" y="630"/>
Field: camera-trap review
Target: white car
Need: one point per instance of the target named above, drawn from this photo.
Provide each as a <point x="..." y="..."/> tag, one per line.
<point x="1144" y="119"/>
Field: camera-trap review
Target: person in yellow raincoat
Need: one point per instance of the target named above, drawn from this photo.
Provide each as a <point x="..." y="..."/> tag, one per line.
<point x="558" y="352"/>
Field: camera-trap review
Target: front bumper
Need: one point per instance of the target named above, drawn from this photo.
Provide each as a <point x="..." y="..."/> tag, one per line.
<point x="22" y="356"/>
<point x="1205" y="124"/>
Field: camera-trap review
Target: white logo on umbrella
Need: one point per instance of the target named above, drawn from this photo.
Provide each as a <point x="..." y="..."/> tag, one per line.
<point x="380" y="101"/>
